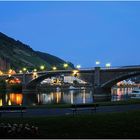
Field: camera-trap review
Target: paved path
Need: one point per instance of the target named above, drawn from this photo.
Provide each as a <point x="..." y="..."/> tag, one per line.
<point x="68" y="111"/>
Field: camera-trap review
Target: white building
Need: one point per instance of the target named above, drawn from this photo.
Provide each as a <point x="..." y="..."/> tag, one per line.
<point x="67" y="79"/>
<point x="70" y="79"/>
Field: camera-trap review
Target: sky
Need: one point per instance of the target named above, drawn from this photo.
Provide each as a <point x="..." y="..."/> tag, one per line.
<point x="79" y="32"/>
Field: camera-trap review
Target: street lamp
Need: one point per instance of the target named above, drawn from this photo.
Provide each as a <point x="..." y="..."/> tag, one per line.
<point x="54" y="68"/>
<point x="42" y="67"/>
<point x="24" y="69"/>
<point x="20" y="71"/>
<point x="35" y="70"/>
<point x="78" y="66"/>
<point x="108" y="65"/>
<point x="65" y="65"/>
<point x="97" y="62"/>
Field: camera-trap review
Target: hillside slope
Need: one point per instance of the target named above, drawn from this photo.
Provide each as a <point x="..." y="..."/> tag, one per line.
<point x="53" y="60"/>
<point x="16" y="55"/>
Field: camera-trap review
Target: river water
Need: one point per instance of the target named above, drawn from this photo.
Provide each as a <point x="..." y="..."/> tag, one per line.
<point x="56" y="97"/>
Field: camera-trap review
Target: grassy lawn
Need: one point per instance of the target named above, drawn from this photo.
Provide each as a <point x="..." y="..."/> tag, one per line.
<point x="109" y="125"/>
<point x="127" y="102"/>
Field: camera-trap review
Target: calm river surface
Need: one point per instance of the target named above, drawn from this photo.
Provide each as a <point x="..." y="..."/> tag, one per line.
<point x="56" y="97"/>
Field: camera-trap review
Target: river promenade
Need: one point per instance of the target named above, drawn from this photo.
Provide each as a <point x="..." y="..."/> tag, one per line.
<point x="42" y="112"/>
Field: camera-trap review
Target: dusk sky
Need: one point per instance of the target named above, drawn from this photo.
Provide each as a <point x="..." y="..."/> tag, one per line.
<point x="79" y="32"/>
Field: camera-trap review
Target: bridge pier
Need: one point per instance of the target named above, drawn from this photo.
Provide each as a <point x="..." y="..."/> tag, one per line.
<point x="97" y="83"/>
<point x="26" y="89"/>
<point x="100" y="90"/>
<point x="96" y="77"/>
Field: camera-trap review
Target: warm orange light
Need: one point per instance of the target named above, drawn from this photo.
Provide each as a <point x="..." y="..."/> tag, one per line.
<point x="35" y="75"/>
<point x="15" y="81"/>
<point x="12" y="96"/>
<point x="16" y="98"/>
<point x="57" y="97"/>
<point x="10" y="72"/>
<point x="1" y="72"/>
<point x="1" y="102"/>
<point x="19" y="98"/>
<point x="75" y="72"/>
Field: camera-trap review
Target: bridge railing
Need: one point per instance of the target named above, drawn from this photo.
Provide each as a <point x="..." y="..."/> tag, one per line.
<point x="87" y="68"/>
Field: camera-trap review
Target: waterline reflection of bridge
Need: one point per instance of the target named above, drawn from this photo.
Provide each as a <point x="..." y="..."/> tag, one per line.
<point x="57" y="97"/>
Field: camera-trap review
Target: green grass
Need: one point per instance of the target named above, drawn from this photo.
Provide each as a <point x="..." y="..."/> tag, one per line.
<point x="127" y="102"/>
<point x="109" y="125"/>
<point x="50" y="106"/>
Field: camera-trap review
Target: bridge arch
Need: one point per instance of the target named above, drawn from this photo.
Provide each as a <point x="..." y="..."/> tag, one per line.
<point x="114" y="81"/>
<point x="35" y="81"/>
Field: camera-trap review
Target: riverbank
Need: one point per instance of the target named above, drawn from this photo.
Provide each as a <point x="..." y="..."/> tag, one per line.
<point x="108" y="103"/>
<point x="100" y="125"/>
<point x="113" y="121"/>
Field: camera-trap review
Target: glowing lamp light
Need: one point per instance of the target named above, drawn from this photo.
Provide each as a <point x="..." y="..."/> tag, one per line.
<point x="35" y="75"/>
<point x="54" y="68"/>
<point x="35" y="70"/>
<point x="78" y="66"/>
<point x="108" y="65"/>
<point x="1" y="72"/>
<point x="1" y="104"/>
<point x="20" y="71"/>
<point x="75" y="72"/>
<point x="19" y="98"/>
<point x="17" y="81"/>
<point x="42" y="67"/>
<point x="24" y="69"/>
<point x="65" y="65"/>
<point x="9" y="102"/>
<point x="16" y="98"/>
<point x="11" y="72"/>
<point x="97" y="62"/>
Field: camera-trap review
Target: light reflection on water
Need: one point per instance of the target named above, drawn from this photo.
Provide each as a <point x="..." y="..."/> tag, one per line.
<point x="70" y="97"/>
<point x="55" y="97"/>
<point x="11" y="99"/>
<point x="120" y="94"/>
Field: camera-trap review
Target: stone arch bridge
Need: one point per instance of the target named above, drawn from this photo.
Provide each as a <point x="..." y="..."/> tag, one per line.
<point x="102" y="79"/>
